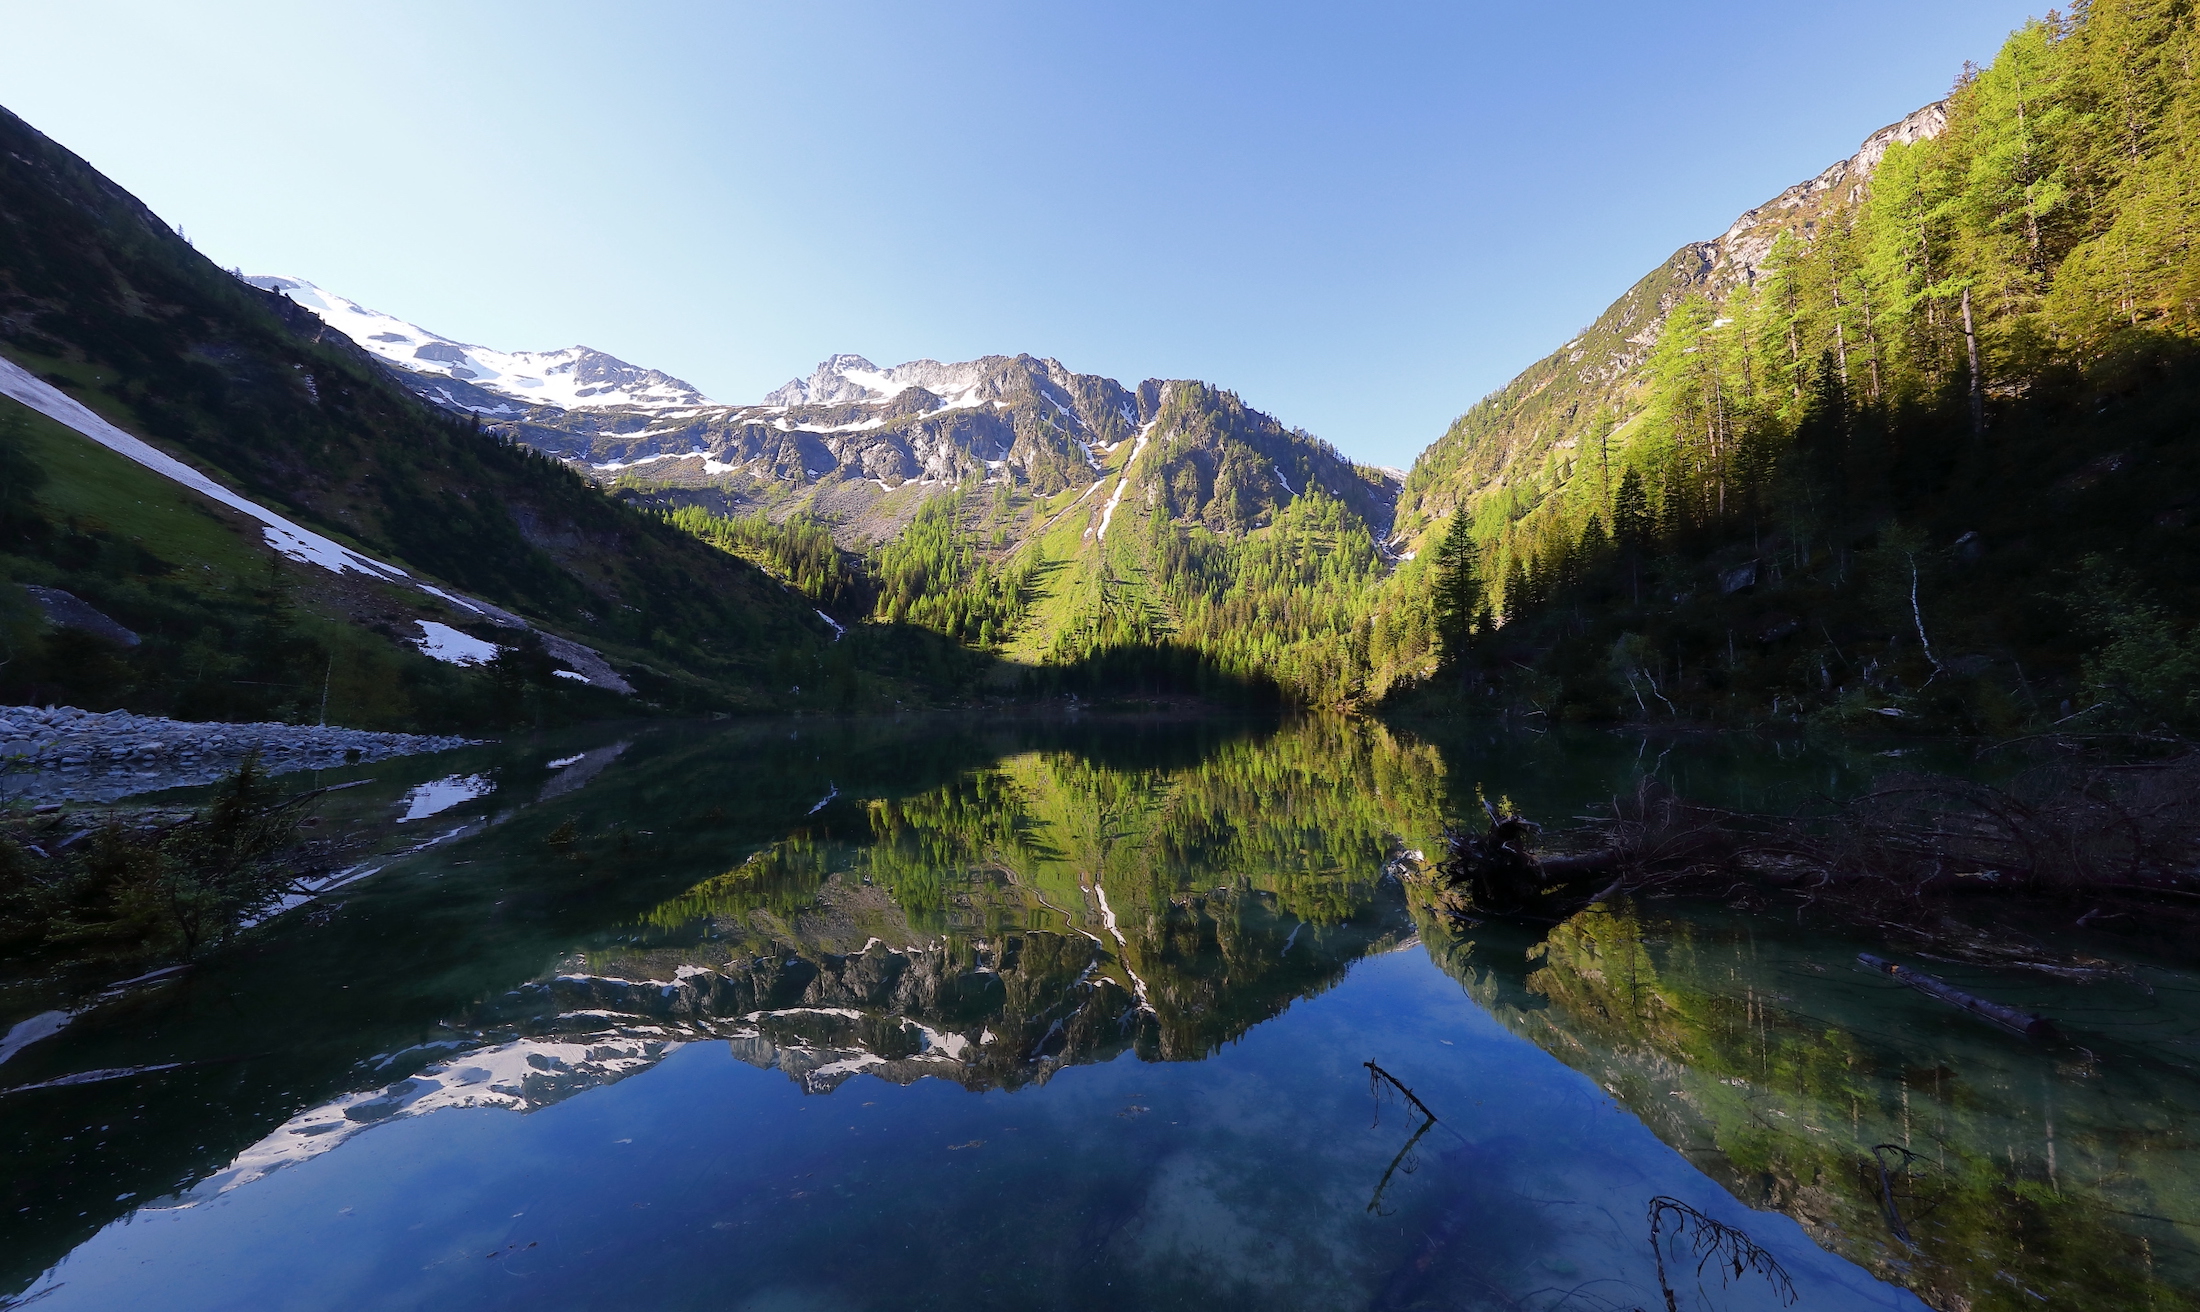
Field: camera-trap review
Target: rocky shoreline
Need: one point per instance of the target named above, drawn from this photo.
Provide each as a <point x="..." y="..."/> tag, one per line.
<point x="63" y="753"/>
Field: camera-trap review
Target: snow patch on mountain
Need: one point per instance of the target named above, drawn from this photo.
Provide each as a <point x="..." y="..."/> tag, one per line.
<point x="1124" y="484"/>
<point x="284" y="536"/>
<point x="288" y="539"/>
<point x="576" y="378"/>
<point x="444" y="643"/>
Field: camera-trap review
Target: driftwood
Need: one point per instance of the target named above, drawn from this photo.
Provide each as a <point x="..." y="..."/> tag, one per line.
<point x="2063" y="827"/>
<point x="2029" y="1024"/>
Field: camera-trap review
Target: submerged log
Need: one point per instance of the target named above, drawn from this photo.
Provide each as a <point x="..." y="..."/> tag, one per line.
<point x="2030" y="1024"/>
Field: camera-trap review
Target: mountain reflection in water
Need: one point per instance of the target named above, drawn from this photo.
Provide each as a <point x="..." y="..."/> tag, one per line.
<point x="1046" y="1014"/>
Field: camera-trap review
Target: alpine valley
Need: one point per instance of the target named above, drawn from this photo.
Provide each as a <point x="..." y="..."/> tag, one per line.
<point x="1810" y="470"/>
<point x="484" y="825"/>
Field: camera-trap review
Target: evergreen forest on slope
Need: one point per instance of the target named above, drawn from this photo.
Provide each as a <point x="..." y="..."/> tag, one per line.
<point x="1933" y="459"/>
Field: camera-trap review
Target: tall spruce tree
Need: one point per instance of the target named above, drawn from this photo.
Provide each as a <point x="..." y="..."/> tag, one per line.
<point x="1458" y="604"/>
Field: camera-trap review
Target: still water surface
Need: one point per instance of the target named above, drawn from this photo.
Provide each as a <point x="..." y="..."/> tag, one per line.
<point x="927" y="1014"/>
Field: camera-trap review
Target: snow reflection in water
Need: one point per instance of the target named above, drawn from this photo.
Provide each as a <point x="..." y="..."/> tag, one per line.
<point x="439" y="795"/>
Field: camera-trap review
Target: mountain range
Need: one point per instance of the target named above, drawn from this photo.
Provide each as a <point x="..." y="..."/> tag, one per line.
<point x="837" y="443"/>
<point x="815" y="441"/>
<point x="1051" y="464"/>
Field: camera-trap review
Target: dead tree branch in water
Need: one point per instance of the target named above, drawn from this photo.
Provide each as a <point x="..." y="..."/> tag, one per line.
<point x="1710" y="1239"/>
<point x="1375" y="1076"/>
<point x="1373" y="1087"/>
<point x="1886" y="1186"/>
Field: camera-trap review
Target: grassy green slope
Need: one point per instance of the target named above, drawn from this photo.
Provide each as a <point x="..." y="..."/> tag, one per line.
<point x="1224" y="551"/>
<point x="192" y="579"/>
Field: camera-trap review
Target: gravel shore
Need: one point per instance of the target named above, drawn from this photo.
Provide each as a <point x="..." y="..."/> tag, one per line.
<point x="64" y="753"/>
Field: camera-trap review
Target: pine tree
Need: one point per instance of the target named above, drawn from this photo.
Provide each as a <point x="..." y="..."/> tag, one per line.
<point x="1631" y="525"/>
<point x="1458" y="594"/>
<point x="1518" y="590"/>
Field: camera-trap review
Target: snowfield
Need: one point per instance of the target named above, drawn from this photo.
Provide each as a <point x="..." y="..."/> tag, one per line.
<point x="576" y="378"/>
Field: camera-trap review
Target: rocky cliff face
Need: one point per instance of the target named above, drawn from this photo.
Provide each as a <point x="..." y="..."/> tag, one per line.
<point x="1735" y="256"/>
<point x="922" y="422"/>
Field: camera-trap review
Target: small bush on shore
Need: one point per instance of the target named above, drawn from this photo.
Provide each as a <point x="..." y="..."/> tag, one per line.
<point x="166" y="888"/>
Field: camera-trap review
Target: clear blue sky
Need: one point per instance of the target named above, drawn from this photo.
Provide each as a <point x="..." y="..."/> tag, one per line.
<point x="1360" y="217"/>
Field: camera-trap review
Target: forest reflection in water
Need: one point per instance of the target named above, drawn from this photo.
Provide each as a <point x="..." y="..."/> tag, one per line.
<point x="1980" y="1168"/>
<point x="1173" y="947"/>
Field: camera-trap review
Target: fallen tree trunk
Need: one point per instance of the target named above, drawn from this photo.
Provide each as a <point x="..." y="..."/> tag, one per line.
<point x="2048" y="844"/>
<point x="1582" y="863"/>
<point x="2030" y="1024"/>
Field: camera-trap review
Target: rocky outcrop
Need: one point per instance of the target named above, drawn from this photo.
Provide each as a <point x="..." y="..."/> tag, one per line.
<point x="66" y="610"/>
<point x="918" y="423"/>
<point x="1737" y="254"/>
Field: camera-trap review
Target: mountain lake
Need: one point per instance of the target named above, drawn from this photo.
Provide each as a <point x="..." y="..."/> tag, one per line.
<point x="937" y="1013"/>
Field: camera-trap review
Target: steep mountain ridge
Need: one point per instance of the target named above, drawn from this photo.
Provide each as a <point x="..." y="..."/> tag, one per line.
<point x="1910" y="444"/>
<point x="1529" y="434"/>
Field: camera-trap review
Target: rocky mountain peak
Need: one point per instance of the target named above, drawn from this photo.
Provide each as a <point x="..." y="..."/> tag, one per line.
<point x="1736" y="254"/>
<point x="852" y="379"/>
